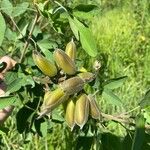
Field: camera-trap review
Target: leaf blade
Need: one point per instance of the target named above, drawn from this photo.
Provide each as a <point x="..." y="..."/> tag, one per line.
<point x="111" y="97"/>
<point x="2" y="28"/>
<point x="139" y="133"/>
<point x="115" y="83"/>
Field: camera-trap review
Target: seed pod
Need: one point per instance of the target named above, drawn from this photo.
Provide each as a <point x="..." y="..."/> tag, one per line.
<point x="81" y="110"/>
<point x="64" y="62"/>
<point x="69" y="114"/>
<point x="47" y="94"/>
<point x="72" y="85"/>
<point x="86" y="76"/>
<point x="94" y="109"/>
<point x="71" y="50"/>
<point x="51" y="101"/>
<point x="46" y="66"/>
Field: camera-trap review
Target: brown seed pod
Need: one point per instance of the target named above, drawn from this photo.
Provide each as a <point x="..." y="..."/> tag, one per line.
<point x="87" y="76"/>
<point x="81" y="110"/>
<point x="72" y="85"/>
<point x="64" y="62"/>
<point x="94" y="109"/>
<point x="69" y="114"/>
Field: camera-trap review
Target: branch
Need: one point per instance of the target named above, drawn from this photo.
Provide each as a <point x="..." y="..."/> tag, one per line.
<point x="123" y="119"/>
<point x="29" y="37"/>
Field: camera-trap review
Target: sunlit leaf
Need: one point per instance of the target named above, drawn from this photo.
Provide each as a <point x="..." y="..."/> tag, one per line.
<point x="88" y="42"/>
<point x="6" y="7"/>
<point x="86" y="38"/>
<point x="20" y="9"/>
<point x="9" y="100"/>
<point x="115" y="83"/>
<point x="146" y="100"/>
<point x="45" y="45"/>
<point x="108" y="95"/>
<point x="44" y="129"/>
<point x="15" y="85"/>
<point x="74" y="28"/>
<point x="2" y="28"/>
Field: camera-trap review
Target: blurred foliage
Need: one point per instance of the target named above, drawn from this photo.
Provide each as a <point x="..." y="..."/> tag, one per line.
<point x="115" y="33"/>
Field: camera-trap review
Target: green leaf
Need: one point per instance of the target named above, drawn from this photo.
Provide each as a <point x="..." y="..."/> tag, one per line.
<point x="45" y="45"/>
<point x="115" y="83"/>
<point x="86" y="38"/>
<point x="85" y="7"/>
<point x="2" y="28"/>
<point x="7" y="7"/>
<point x="4" y="130"/>
<point x="147" y="114"/>
<point x="88" y="42"/>
<point x="139" y="133"/>
<point x="56" y="116"/>
<point x="20" y="9"/>
<point x="146" y="100"/>
<point x="44" y="129"/>
<point x="9" y="100"/>
<point x="23" y="32"/>
<point x="74" y="28"/>
<point x="10" y="35"/>
<point x="111" y="97"/>
<point x="15" y="85"/>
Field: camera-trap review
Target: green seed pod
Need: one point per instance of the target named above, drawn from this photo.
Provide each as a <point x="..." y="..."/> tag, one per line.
<point x="47" y="94"/>
<point x="81" y="110"/>
<point x="94" y="109"/>
<point x="46" y="66"/>
<point x="64" y="62"/>
<point x="72" y="85"/>
<point x="71" y="50"/>
<point x="87" y="76"/>
<point x="69" y="114"/>
<point x="52" y="100"/>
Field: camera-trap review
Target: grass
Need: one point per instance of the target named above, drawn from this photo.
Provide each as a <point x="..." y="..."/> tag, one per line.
<point x="121" y="37"/>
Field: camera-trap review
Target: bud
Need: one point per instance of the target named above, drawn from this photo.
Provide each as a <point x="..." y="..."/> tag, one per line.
<point x="94" y="109"/>
<point x="81" y="110"/>
<point x="72" y="85"/>
<point x="64" y="62"/>
<point x="52" y="100"/>
<point x="87" y="76"/>
<point x="69" y="115"/>
<point x="46" y="66"/>
<point x="71" y="50"/>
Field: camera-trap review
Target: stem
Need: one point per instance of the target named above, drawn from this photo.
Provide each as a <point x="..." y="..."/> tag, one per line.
<point x="29" y="37"/>
<point x="130" y="111"/>
<point x="14" y="23"/>
<point x="123" y="119"/>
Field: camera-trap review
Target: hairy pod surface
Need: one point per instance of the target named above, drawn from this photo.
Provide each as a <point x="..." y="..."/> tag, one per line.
<point x="46" y="66"/>
<point x="69" y="114"/>
<point x="64" y="62"/>
<point x="71" y="50"/>
<point x="81" y="110"/>
<point x="87" y="76"/>
<point x="72" y="85"/>
<point x="52" y="100"/>
<point x="94" y="109"/>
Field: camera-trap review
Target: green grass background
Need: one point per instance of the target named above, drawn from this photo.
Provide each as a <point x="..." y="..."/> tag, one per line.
<point x="122" y="31"/>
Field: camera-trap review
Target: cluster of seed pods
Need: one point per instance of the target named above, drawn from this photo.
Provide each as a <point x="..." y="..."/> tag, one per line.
<point x="79" y="105"/>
